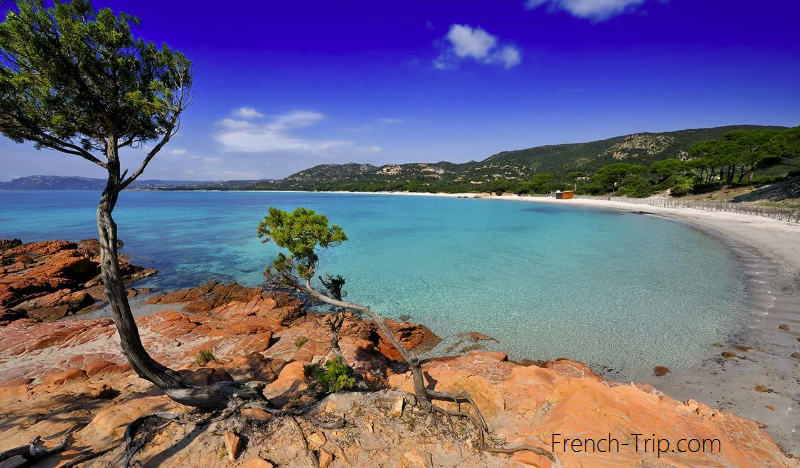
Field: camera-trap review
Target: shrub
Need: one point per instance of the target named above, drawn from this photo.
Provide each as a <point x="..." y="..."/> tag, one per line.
<point x="334" y="377"/>
<point x="205" y="356"/>
<point x="683" y="186"/>
<point x="300" y="342"/>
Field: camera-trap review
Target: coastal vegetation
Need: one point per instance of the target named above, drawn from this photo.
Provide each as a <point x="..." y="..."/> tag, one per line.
<point x="302" y="232"/>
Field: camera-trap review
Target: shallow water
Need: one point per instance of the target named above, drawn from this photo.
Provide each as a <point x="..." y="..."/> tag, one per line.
<point x="620" y="291"/>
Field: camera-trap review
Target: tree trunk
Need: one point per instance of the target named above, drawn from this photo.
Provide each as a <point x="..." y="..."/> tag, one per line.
<point x="750" y="175"/>
<point x="141" y="362"/>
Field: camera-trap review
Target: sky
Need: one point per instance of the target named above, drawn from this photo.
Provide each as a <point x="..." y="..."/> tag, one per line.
<point x="281" y="86"/>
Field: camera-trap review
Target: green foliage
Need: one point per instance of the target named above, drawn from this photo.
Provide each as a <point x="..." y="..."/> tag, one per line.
<point x="73" y="79"/>
<point x="300" y="232"/>
<point x="683" y="186"/>
<point x="636" y="186"/>
<point x="668" y="167"/>
<point x="301" y="341"/>
<point x="335" y="376"/>
<point x="613" y="176"/>
<point x="204" y="357"/>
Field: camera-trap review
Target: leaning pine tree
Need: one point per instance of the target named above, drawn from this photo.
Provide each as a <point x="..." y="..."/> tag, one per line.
<point x="302" y="233"/>
<point x="75" y="80"/>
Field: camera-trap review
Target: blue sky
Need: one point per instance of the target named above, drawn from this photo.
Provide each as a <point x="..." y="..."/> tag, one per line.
<point x="285" y="85"/>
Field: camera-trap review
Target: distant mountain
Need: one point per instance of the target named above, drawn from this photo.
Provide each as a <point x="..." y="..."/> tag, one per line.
<point x="641" y="148"/>
<point x="40" y="182"/>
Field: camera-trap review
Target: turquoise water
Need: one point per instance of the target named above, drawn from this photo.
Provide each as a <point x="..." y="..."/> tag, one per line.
<point x="620" y="291"/>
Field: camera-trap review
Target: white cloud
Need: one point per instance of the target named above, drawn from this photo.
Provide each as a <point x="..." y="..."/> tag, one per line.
<point x="468" y="42"/>
<point x="212" y="160"/>
<point x="245" y="137"/>
<point x="247" y="113"/>
<point x="390" y="121"/>
<point x="595" y="10"/>
<point x="177" y="151"/>
<point x="508" y="56"/>
<point x="477" y="44"/>
<point x="231" y="124"/>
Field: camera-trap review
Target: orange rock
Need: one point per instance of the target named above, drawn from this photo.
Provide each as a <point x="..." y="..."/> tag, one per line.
<point x="418" y="458"/>
<point x="660" y="371"/>
<point x="255" y="414"/>
<point x="233" y="445"/>
<point x="499" y="355"/>
<point x="257" y="463"/>
<point x="60" y="378"/>
<point x="325" y="458"/>
<point x="96" y="367"/>
<point x="529" y="458"/>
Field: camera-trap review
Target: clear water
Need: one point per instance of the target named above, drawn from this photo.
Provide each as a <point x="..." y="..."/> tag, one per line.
<point x="616" y="290"/>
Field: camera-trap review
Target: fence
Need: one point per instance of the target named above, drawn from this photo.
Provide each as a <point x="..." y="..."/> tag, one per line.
<point x="791" y="215"/>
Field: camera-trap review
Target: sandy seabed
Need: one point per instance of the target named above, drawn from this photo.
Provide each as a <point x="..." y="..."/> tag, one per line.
<point x="769" y="252"/>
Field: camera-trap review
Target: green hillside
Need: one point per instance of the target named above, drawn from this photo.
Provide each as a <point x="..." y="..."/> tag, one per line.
<point x="641" y="148"/>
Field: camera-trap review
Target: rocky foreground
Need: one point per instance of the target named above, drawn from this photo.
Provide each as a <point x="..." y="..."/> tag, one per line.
<point x="57" y="376"/>
<point x="53" y="279"/>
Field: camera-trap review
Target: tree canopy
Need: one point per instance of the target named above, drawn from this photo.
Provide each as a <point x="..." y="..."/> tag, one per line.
<point x="300" y="232"/>
<point x="75" y="80"/>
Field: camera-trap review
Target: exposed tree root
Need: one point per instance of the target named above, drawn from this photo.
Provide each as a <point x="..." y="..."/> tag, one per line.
<point x="132" y="445"/>
<point x="32" y="454"/>
<point x="520" y="448"/>
<point x="310" y="454"/>
<point x="87" y="456"/>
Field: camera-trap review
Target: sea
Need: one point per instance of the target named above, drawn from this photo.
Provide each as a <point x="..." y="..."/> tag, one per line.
<point x="623" y="292"/>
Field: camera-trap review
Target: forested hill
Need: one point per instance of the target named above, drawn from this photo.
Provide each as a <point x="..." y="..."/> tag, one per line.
<point x="641" y="148"/>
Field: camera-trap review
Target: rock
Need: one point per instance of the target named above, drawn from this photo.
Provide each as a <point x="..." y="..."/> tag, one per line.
<point x="499" y="355"/>
<point x="796" y="355"/>
<point x="49" y="313"/>
<point x="48" y="278"/>
<point x="660" y="371"/>
<point x="728" y="355"/>
<point x="325" y="458"/>
<point x="257" y="463"/>
<point x="397" y="407"/>
<point x="290" y="382"/>
<point x="205" y="376"/>
<point x="316" y="440"/>
<point x="233" y="445"/>
<point x="7" y="244"/>
<point x="527" y="457"/>
<point x="60" y="378"/>
<point x="475" y="336"/>
<point x="207" y="296"/>
<point x="418" y="458"/>
<point x="784" y="327"/>
<point x="763" y="389"/>
<point x="255" y="414"/>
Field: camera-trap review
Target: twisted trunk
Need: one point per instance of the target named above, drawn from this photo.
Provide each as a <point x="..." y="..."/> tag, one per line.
<point x="141" y="362"/>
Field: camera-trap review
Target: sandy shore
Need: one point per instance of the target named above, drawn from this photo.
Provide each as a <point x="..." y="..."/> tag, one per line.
<point x="769" y="251"/>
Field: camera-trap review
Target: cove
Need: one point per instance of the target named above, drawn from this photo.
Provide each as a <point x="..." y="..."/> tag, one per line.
<point x="620" y="291"/>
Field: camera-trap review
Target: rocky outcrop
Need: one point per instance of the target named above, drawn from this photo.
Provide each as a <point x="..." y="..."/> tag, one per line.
<point x="52" y="279"/>
<point x="207" y="296"/>
<point x="54" y="375"/>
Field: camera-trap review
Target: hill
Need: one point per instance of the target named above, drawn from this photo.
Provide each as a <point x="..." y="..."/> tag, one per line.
<point x="641" y="148"/>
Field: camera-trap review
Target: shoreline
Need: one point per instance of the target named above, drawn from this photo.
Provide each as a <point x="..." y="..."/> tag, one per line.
<point x="759" y="354"/>
<point x="768" y="252"/>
